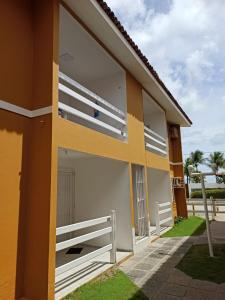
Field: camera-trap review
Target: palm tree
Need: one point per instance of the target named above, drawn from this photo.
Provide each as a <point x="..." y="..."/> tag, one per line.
<point x="197" y="158"/>
<point x="187" y="163"/>
<point x="215" y="161"/>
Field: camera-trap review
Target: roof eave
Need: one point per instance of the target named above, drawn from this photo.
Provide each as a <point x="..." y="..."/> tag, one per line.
<point x="93" y="14"/>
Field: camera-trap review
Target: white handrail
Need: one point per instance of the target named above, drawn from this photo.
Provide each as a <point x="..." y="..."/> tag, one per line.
<point x="164" y="204"/>
<point x="82" y="238"/>
<point x="81" y="225"/>
<point x="75" y="112"/>
<point x="156" y="148"/>
<point x="84" y="100"/>
<point x="153" y="132"/>
<point x="89" y="93"/>
<point x="165" y="220"/>
<point x="82" y="259"/>
<point x="152" y="136"/>
<point x="86" y="237"/>
<point x="155" y="140"/>
<point x="160" y="212"/>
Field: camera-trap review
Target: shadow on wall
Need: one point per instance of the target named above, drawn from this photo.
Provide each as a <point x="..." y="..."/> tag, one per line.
<point x="14" y="166"/>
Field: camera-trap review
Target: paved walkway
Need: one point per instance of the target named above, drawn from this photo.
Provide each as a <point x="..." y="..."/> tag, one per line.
<point x="153" y="269"/>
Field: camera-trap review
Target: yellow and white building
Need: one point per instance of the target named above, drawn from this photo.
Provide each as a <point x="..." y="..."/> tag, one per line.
<point x="86" y="128"/>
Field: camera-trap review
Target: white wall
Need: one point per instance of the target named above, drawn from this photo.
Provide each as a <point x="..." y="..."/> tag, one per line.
<point x="159" y="190"/>
<point x="157" y="122"/>
<point x="111" y="88"/>
<point x="154" y="115"/>
<point x="100" y="186"/>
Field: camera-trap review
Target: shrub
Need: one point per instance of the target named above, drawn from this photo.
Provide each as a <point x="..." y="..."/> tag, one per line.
<point x="215" y="193"/>
<point x="178" y="219"/>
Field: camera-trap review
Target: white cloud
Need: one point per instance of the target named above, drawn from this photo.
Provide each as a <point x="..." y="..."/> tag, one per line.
<point x="128" y="12"/>
<point x="186" y="44"/>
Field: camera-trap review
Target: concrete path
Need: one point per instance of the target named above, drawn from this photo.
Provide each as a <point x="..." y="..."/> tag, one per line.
<point x="153" y="270"/>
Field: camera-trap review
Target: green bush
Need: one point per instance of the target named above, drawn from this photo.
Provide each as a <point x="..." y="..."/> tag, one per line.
<point x="178" y="219"/>
<point x="215" y="193"/>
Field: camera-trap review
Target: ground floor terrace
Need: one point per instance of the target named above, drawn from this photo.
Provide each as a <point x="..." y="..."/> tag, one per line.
<point x="106" y="211"/>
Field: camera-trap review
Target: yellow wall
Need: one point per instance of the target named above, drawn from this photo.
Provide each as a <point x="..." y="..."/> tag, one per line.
<point x="28" y="152"/>
<point x="76" y="137"/>
<point x="16" y="60"/>
<point x="27" y="187"/>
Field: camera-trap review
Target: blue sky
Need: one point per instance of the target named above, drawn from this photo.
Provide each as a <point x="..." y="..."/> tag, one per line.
<point x="185" y="42"/>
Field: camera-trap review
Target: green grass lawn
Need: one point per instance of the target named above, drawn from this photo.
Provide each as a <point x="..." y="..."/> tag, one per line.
<point x="199" y="265"/>
<point x="187" y="227"/>
<point x="111" y="286"/>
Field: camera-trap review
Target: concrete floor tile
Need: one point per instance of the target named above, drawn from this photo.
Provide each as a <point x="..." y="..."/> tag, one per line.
<point x="179" y="277"/>
<point x="144" y="266"/>
<point x="203" y="285"/>
<point x="195" y="293"/>
<point x="136" y="274"/>
<point x="221" y="288"/>
<point x="160" y="276"/>
<point x="174" y="289"/>
<point x="219" y="296"/>
<point x="162" y="296"/>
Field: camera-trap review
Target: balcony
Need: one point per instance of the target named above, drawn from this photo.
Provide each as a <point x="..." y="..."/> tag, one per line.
<point x="92" y="89"/>
<point x="155" y="142"/>
<point x="155" y="130"/>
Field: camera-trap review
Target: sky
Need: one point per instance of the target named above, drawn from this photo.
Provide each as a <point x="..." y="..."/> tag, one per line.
<point x="184" y="40"/>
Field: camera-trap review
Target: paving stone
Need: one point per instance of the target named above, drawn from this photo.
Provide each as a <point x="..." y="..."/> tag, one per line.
<point x="151" y="287"/>
<point x="150" y="292"/>
<point x="173" y="261"/>
<point x="221" y="288"/>
<point x="151" y="260"/>
<point x="166" y="247"/>
<point x="126" y="268"/>
<point x="179" y="277"/>
<point x="145" y="266"/>
<point x="174" y="289"/>
<point x="160" y="276"/>
<point x="203" y="285"/>
<point x="162" y="296"/>
<point x="157" y="255"/>
<point x="154" y="270"/>
<point x="194" y="293"/>
<point x="163" y="251"/>
<point x="219" y="296"/>
<point x="136" y="274"/>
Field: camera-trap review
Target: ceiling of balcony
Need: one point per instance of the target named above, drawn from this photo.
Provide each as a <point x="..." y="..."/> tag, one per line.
<point x="81" y="57"/>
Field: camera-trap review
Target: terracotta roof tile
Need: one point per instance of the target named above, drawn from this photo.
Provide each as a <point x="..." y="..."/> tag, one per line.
<point x="120" y="27"/>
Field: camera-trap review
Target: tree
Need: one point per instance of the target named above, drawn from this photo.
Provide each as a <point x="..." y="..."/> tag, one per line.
<point x="215" y="161"/>
<point x="197" y="158"/>
<point x="187" y="163"/>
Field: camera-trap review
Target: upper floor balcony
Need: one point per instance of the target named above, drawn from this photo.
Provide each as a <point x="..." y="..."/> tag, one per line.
<point x="155" y="130"/>
<point x="92" y="89"/>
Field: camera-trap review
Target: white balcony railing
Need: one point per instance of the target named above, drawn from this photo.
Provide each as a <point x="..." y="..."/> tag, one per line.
<point x="110" y="229"/>
<point x="162" y="218"/>
<point x="155" y="142"/>
<point x="87" y="106"/>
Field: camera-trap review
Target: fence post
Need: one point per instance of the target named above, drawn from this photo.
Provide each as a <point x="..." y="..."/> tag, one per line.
<point x="157" y="219"/>
<point x="213" y="207"/>
<point x="193" y="209"/>
<point x="113" y="237"/>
